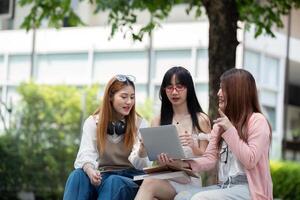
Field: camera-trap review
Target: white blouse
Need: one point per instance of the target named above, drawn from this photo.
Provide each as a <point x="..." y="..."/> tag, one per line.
<point x="88" y="152"/>
<point x="229" y="165"/>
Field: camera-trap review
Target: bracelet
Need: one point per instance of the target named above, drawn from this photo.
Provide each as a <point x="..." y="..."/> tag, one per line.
<point x="86" y="166"/>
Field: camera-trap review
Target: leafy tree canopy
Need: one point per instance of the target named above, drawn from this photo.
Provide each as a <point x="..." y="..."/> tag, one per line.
<point x="123" y="13"/>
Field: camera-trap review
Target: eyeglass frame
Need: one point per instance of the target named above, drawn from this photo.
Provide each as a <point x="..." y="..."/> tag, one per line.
<point x="171" y="88"/>
<point x="224" y="150"/>
<point x="124" y="78"/>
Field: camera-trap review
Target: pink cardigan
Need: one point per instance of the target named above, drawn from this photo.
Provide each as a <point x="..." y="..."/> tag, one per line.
<point x="253" y="156"/>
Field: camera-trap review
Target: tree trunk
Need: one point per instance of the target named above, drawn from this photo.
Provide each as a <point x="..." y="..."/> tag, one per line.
<point x="223" y="17"/>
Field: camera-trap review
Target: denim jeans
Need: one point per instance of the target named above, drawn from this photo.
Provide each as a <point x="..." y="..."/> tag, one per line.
<point x="115" y="185"/>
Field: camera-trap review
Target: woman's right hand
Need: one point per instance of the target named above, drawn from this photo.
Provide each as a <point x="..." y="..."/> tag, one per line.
<point x="94" y="175"/>
<point x="163" y="159"/>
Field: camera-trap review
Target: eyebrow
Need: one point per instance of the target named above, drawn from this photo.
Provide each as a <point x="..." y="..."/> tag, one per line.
<point x="126" y="93"/>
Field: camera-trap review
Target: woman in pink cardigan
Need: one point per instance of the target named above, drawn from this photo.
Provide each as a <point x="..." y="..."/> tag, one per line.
<point x="239" y="144"/>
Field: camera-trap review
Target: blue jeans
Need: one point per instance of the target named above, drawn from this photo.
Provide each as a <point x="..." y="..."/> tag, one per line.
<point x="114" y="185"/>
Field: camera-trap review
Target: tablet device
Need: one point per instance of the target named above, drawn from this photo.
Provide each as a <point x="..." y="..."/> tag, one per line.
<point x="162" y="139"/>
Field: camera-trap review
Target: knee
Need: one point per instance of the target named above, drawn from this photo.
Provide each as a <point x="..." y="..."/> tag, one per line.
<point x="78" y="173"/>
<point x="77" y="185"/>
<point x="118" y="181"/>
<point x="150" y="184"/>
<point x="185" y="195"/>
<point x="78" y="176"/>
<point x="207" y="195"/>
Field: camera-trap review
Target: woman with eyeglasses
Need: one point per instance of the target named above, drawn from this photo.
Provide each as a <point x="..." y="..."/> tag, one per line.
<point x="179" y="106"/>
<point x="239" y="144"/>
<point x="110" y="152"/>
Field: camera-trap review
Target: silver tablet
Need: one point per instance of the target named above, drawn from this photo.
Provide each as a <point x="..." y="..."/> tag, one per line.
<point x="162" y="139"/>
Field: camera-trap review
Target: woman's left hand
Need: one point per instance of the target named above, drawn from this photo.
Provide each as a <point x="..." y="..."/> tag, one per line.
<point x="223" y="121"/>
<point x="186" y="139"/>
<point x="142" y="150"/>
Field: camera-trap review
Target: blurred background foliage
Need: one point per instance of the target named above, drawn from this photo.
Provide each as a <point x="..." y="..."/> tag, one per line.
<point x="286" y="179"/>
<point x="38" y="150"/>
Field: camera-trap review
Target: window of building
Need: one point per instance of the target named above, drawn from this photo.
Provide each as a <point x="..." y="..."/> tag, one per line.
<point x="2" y="70"/>
<point x="270" y="113"/>
<point x="252" y="63"/>
<point x="63" y="68"/>
<point x="166" y="59"/>
<point x="268" y="97"/>
<point x="108" y="64"/>
<point x="269" y="73"/>
<point x="18" y="68"/>
<point x="141" y="92"/>
<point x="202" y="95"/>
<point x="202" y="65"/>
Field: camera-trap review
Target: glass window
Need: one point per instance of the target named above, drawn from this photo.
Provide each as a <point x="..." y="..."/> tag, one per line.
<point x="2" y="71"/>
<point x="202" y="95"/>
<point x="12" y="94"/>
<point x="252" y="63"/>
<point x="164" y="60"/>
<point x="108" y="64"/>
<point x="268" y="97"/>
<point x="269" y="75"/>
<point x="63" y="68"/>
<point x="18" y="68"/>
<point x="156" y="99"/>
<point x="141" y="92"/>
<point x="270" y="113"/>
<point x="202" y="65"/>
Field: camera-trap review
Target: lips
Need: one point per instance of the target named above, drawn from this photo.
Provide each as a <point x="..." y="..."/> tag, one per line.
<point x="175" y="98"/>
<point x="126" y="109"/>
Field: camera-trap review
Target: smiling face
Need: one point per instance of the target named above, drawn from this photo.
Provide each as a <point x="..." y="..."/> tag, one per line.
<point x="222" y="99"/>
<point x="176" y="92"/>
<point x="123" y="101"/>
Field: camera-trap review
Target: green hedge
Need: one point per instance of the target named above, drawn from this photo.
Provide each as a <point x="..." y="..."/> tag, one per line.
<point x="38" y="151"/>
<point x="286" y="179"/>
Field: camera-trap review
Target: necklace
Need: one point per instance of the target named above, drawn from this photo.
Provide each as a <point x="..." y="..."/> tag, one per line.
<point x="179" y="119"/>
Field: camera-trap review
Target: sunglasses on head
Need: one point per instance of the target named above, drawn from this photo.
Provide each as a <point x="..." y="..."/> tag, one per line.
<point x="124" y="78"/>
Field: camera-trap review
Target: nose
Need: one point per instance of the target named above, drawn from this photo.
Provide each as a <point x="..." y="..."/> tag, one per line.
<point x="174" y="90"/>
<point x="129" y="101"/>
<point x="219" y="93"/>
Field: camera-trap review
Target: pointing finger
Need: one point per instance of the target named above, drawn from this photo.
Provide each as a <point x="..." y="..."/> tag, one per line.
<point x="221" y="113"/>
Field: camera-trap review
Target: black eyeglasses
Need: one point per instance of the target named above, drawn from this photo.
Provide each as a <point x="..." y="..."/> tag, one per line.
<point x="124" y="78"/>
<point x="224" y="154"/>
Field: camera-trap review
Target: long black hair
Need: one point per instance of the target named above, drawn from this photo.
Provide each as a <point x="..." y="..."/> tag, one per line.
<point x="184" y="78"/>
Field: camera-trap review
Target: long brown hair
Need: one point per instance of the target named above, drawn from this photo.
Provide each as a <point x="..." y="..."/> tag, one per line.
<point x="239" y="89"/>
<point x="105" y="115"/>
